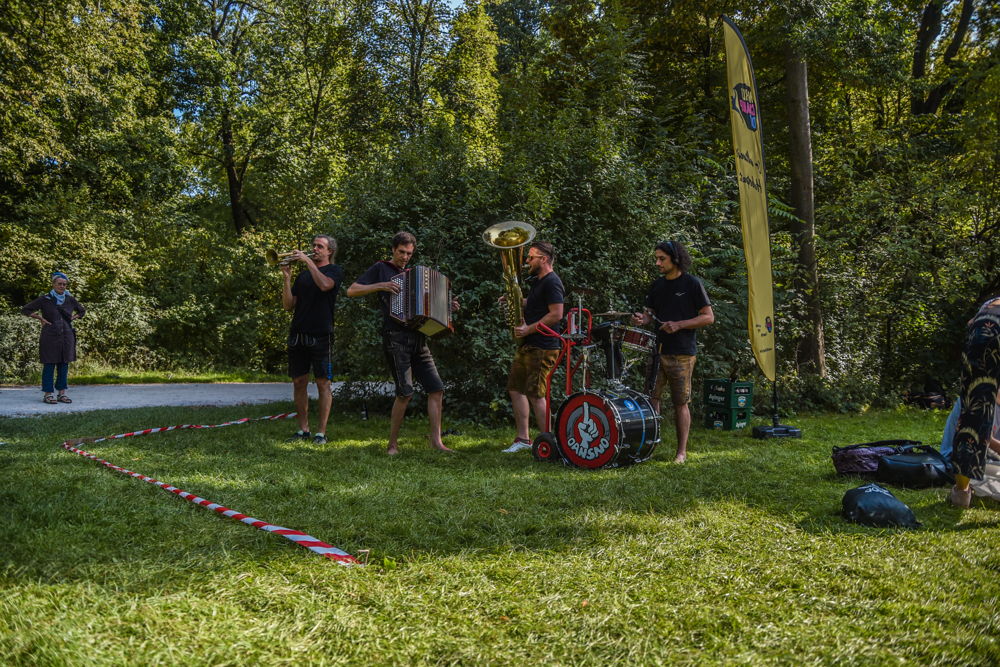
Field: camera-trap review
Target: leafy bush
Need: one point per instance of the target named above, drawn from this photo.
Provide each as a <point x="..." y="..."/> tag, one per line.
<point x="18" y="348"/>
<point x="116" y="330"/>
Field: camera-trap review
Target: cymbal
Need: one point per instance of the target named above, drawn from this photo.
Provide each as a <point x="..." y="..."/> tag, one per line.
<point x="579" y="289"/>
<point x="612" y="313"/>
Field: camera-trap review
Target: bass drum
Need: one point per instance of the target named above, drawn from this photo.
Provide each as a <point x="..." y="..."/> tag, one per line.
<point x="606" y="429"/>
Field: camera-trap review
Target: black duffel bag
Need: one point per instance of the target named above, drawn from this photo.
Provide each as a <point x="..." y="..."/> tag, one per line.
<point x="915" y="467"/>
<point x="862" y="459"/>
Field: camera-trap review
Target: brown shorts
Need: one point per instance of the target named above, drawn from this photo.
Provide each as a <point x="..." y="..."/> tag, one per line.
<point x="530" y="370"/>
<point x="675" y="371"/>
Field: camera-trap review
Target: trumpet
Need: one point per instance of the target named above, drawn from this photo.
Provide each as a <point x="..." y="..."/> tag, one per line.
<point x="275" y="258"/>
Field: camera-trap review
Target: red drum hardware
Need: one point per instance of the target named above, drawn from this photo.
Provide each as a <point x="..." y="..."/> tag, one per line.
<point x="598" y="428"/>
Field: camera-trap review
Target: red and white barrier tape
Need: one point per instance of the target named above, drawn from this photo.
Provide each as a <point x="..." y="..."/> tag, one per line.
<point x="296" y="536"/>
<point x="164" y="429"/>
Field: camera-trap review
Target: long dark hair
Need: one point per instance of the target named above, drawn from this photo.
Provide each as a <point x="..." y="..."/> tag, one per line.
<point x="678" y="253"/>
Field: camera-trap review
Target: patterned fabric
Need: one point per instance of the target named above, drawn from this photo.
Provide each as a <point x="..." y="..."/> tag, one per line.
<point x="980" y="379"/>
<point x="675" y="372"/>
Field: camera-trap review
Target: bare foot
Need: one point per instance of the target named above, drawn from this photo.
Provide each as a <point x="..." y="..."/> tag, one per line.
<point x="680" y="458"/>
<point x="392" y="450"/>
<point x="440" y="447"/>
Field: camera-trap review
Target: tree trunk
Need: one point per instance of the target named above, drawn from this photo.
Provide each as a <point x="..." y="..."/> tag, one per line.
<point x="811" y="353"/>
<point x="927" y="35"/>
<point x="241" y="221"/>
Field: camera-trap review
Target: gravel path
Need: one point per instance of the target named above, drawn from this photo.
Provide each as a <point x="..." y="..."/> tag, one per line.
<point x="27" y="401"/>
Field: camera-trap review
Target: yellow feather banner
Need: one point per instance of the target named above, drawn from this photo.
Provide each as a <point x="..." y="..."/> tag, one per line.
<point x="744" y="114"/>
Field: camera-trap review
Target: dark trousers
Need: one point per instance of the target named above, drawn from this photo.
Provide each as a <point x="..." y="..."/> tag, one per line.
<point x="61" y="373"/>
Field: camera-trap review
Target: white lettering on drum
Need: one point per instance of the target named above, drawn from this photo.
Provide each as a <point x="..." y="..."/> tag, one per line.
<point x="591" y="443"/>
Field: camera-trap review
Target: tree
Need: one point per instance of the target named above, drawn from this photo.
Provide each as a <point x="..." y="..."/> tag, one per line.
<point x="414" y="39"/>
<point x="468" y="83"/>
<point x="811" y="352"/>
<point x="222" y="94"/>
<point x="935" y="75"/>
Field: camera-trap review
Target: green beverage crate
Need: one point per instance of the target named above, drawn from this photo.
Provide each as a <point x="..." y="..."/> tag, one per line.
<point x="729" y="419"/>
<point x="721" y="394"/>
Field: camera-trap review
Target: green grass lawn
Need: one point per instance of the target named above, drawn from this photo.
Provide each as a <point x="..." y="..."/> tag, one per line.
<point x="101" y="375"/>
<point x="738" y="556"/>
<point x="98" y="374"/>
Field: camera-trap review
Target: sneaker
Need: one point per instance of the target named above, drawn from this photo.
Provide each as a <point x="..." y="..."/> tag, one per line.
<point x="299" y="435"/>
<point x="517" y="446"/>
<point x="319" y="438"/>
<point x="960" y="498"/>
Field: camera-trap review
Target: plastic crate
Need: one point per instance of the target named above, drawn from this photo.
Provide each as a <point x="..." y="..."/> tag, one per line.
<point x="731" y="419"/>
<point x="721" y="394"/>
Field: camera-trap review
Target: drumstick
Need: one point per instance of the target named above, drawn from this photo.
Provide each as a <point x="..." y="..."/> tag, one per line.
<point x="649" y="311"/>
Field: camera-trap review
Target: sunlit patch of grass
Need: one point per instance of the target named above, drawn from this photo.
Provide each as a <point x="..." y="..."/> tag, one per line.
<point x="90" y="372"/>
<point x="738" y="556"/>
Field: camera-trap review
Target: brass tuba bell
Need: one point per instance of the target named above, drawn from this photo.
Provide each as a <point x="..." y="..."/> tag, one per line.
<point x="509" y="238"/>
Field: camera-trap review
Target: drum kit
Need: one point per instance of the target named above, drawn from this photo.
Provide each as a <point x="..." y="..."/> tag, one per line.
<point x="600" y="427"/>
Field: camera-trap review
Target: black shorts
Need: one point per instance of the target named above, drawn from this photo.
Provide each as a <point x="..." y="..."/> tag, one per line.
<point x="309" y="352"/>
<point x="410" y="360"/>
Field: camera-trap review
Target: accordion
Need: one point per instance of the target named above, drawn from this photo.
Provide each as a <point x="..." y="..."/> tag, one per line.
<point x="423" y="302"/>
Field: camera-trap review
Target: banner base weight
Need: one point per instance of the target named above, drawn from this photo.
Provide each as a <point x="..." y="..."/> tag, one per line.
<point x="779" y="431"/>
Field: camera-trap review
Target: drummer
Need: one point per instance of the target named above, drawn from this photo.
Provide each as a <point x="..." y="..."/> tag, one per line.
<point x="678" y="304"/>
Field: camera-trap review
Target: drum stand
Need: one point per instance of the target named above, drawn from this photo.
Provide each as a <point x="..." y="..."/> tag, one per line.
<point x="630" y="414"/>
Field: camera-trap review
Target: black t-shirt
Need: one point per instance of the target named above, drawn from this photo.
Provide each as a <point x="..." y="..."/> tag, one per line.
<point x="314" y="308"/>
<point x="544" y="292"/>
<point x="380" y="272"/>
<point x="674" y="300"/>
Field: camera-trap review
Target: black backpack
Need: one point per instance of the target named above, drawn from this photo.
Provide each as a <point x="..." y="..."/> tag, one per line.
<point x="874" y="505"/>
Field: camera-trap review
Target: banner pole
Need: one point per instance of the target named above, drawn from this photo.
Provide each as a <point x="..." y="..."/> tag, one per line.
<point x="776" y="429"/>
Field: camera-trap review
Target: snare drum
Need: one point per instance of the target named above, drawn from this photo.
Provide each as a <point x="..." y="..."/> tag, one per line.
<point x="638" y="339"/>
<point x="606" y="429"/>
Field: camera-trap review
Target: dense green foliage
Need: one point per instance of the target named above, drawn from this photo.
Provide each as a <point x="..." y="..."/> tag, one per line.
<point x="737" y="557"/>
<point x="154" y="148"/>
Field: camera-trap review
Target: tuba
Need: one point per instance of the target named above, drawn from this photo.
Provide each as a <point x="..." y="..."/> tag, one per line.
<point x="510" y="238"/>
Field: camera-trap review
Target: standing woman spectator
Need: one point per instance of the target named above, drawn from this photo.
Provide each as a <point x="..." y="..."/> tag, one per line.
<point x="980" y="379"/>
<point x="57" y="344"/>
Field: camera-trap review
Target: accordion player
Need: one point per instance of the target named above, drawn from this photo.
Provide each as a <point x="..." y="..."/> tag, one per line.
<point x="423" y="302"/>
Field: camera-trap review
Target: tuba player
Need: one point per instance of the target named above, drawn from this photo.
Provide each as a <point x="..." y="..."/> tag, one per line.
<point x="536" y="354"/>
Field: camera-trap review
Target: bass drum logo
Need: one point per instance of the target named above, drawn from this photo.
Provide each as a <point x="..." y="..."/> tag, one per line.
<point x="588" y="432"/>
<point x="745" y="105"/>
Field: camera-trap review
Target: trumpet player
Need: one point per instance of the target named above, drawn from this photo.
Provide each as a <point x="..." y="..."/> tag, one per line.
<point x="536" y="354"/>
<point x="312" y="298"/>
